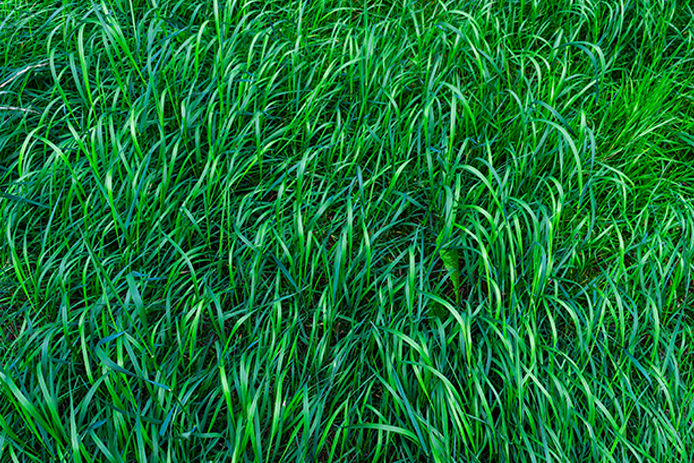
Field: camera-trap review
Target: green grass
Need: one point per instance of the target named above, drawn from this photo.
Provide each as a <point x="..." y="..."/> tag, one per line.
<point x="346" y="230"/>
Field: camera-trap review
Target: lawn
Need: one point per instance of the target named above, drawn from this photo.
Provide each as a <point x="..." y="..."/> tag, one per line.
<point x="346" y="231"/>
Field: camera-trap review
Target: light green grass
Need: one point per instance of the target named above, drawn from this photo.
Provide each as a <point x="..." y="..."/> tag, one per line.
<point x="336" y="230"/>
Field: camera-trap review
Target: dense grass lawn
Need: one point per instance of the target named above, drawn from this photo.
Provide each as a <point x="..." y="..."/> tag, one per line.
<point x="346" y="230"/>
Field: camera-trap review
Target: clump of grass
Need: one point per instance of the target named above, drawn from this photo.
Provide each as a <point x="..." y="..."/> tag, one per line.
<point x="346" y="231"/>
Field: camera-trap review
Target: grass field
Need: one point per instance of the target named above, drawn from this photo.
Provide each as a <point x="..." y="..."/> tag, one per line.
<point x="346" y="231"/>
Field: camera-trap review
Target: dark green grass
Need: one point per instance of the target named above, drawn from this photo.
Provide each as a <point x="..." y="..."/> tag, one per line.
<point x="334" y="230"/>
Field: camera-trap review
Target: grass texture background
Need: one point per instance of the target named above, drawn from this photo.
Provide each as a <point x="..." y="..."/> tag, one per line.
<point x="346" y="231"/>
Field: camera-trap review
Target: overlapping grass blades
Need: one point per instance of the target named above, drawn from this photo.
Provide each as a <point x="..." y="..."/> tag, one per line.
<point x="346" y="231"/>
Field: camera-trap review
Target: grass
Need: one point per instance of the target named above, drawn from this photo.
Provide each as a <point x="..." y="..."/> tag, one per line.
<point x="350" y="231"/>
